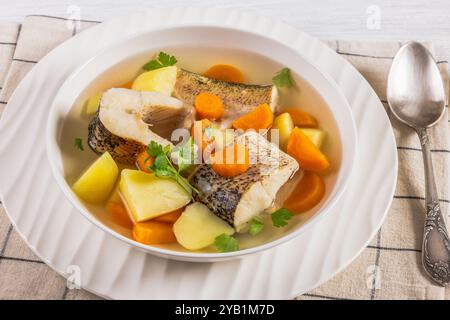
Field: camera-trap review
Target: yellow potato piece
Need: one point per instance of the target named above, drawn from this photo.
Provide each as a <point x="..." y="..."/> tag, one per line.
<point x="160" y="80"/>
<point x="285" y="125"/>
<point x="147" y="196"/>
<point x="198" y="227"/>
<point x="97" y="182"/>
<point x="93" y="103"/>
<point x="316" y="136"/>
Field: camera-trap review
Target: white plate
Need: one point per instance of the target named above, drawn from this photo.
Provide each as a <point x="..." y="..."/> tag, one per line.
<point x="62" y="237"/>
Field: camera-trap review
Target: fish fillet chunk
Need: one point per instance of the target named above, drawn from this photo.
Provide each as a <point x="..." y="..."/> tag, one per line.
<point x="237" y="200"/>
<point x="126" y="119"/>
<point x="237" y="98"/>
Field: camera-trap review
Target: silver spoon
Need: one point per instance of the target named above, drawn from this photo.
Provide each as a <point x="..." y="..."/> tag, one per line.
<point x="416" y="96"/>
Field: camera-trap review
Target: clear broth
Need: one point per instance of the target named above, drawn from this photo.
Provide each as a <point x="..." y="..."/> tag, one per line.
<point x="256" y="68"/>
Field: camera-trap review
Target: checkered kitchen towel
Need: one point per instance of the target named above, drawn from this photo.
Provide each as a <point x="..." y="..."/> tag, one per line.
<point x="389" y="268"/>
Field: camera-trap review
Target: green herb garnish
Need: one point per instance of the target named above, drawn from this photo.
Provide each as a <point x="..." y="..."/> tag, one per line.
<point x="256" y="225"/>
<point x="186" y="155"/>
<point x="280" y="217"/>
<point x="283" y="78"/>
<point x="162" y="60"/>
<point x="78" y="143"/>
<point x="163" y="167"/>
<point x="226" y="243"/>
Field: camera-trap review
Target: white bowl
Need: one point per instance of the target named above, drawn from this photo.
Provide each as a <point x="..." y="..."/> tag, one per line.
<point x="121" y="61"/>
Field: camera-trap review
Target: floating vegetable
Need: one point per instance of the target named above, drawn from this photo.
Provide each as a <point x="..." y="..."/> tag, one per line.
<point x="301" y="118"/>
<point x="97" y="182"/>
<point x="305" y="152"/>
<point x="209" y="106"/>
<point x="198" y="227"/>
<point x="148" y="196"/>
<point x="258" y="119"/>
<point x="225" y="72"/>
<point x="280" y="217"/>
<point x="231" y="161"/>
<point x="283" y="78"/>
<point x="153" y="232"/>
<point x="307" y="193"/>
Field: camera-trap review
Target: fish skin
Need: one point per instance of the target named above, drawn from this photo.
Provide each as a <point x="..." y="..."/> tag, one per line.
<point x="229" y="197"/>
<point x="101" y="140"/>
<point x="237" y="98"/>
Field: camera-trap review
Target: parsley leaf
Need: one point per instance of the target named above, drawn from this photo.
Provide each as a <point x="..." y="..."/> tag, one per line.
<point x="283" y="78"/>
<point x="280" y="217"/>
<point x="186" y="155"/>
<point x="163" y="60"/>
<point x="78" y="143"/>
<point x="256" y="225"/>
<point x="163" y="167"/>
<point x="226" y="243"/>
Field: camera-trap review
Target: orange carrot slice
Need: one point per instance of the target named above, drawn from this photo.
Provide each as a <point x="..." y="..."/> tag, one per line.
<point x="225" y="72"/>
<point x="307" y="193"/>
<point x="209" y="106"/>
<point x="259" y="118"/>
<point x="301" y="118"/>
<point x="119" y="214"/>
<point x="170" y="217"/>
<point x="305" y="152"/>
<point x="143" y="161"/>
<point x="153" y="232"/>
<point x="231" y="161"/>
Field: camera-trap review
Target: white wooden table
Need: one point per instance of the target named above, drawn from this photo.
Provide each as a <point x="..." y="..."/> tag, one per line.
<point x="326" y="19"/>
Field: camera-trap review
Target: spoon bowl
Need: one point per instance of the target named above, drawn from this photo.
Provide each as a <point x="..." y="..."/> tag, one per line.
<point x="415" y="90"/>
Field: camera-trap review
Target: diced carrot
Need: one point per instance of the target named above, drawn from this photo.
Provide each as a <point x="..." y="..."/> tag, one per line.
<point x="153" y="232"/>
<point x="225" y="72"/>
<point x="119" y="214"/>
<point x="301" y="118"/>
<point x="170" y="217"/>
<point x="231" y="161"/>
<point x="307" y="193"/>
<point x="209" y="106"/>
<point x="127" y="85"/>
<point x="198" y="132"/>
<point x="305" y="152"/>
<point x="259" y="118"/>
<point x="143" y="161"/>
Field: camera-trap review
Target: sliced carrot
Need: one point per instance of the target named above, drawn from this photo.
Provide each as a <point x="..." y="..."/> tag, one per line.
<point x="153" y="232"/>
<point x="119" y="214"/>
<point x="170" y="217"/>
<point x="225" y="72"/>
<point x="198" y="132"/>
<point x="307" y="193"/>
<point x="259" y="118"/>
<point x="209" y="106"/>
<point x="301" y="118"/>
<point x="127" y="85"/>
<point x="231" y="161"/>
<point x="143" y="161"/>
<point x="305" y="152"/>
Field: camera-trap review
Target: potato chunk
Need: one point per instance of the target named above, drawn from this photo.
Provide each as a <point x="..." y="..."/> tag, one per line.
<point x="198" y="227"/>
<point x="97" y="182"/>
<point x="147" y="196"/>
<point x="160" y="80"/>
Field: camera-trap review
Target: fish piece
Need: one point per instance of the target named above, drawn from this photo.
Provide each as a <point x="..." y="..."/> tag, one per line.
<point x="237" y="98"/>
<point x="237" y="200"/>
<point x="125" y="122"/>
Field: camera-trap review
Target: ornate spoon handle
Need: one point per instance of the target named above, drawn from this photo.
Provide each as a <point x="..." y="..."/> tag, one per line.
<point x="436" y="244"/>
